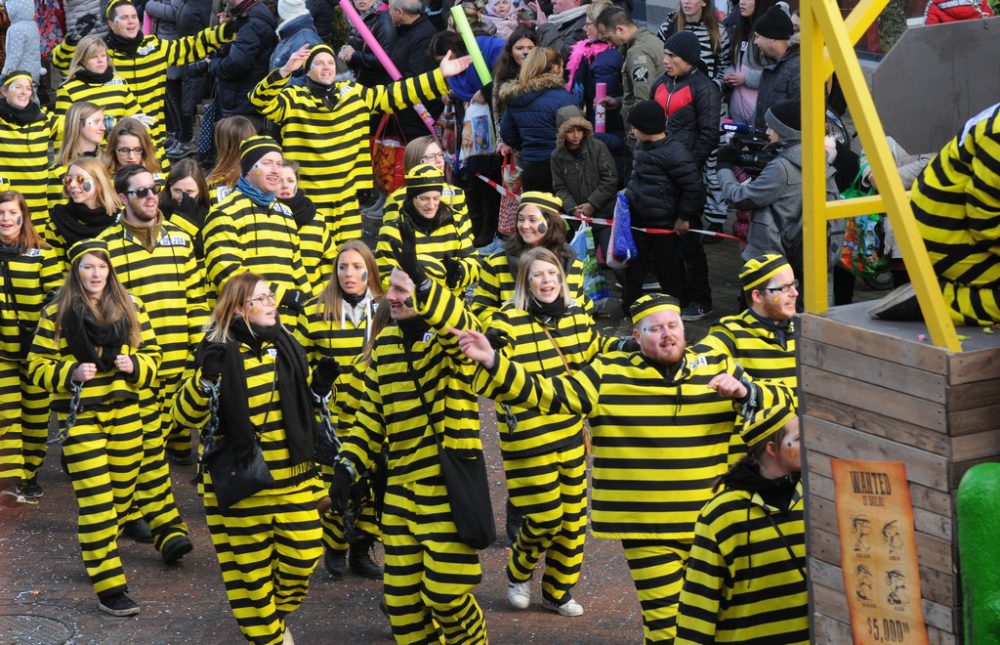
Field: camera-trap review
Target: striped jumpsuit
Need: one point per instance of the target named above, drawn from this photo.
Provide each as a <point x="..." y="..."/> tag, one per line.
<point x="24" y="407"/>
<point x="343" y="340"/>
<point x="648" y="485"/>
<point x="103" y="449"/>
<point x="452" y="196"/>
<point x="740" y="585"/>
<point x="242" y="236"/>
<point x="267" y="544"/>
<point x="171" y="286"/>
<point x="429" y="573"/>
<point x="496" y="285"/>
<point x="331" y="145"/>
<point x="115" y="98"/>
<point x="957" y="206"/>
<point x="24" y="163"/>
<point x="146" y="70"/>
<point x="543" y="454"/>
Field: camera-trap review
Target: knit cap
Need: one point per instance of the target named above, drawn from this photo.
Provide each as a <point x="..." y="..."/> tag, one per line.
<point x="318" y="49"/>
<point x="685" y="44"/>
<point x="546" y="202"/>
<point x="758" y="270"/>
<point x="785" y="118"/>
<point x="775" y="24"/>
<point x="765" y="423"/>
<point x="288" y="9"/>
<point x="82" y="247"/>
<point x="423" y="178"/>
<point x="652" y="303"/>
<point x="648" y="118"/>
<point x="252" y="149"/>
<point x="109" y="12"/>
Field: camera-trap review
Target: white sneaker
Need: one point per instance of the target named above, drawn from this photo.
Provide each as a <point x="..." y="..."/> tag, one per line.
<point x="570" y="608"/>
<point x="287" y="638"/>
<point x="519" y="594"/>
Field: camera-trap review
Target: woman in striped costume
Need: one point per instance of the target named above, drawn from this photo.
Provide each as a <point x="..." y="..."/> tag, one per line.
<point x="427" y="150"/>
<point x="28" y="271"/>
<point x="745" y="579"/>
<point x="129" y="143"/>
<point x="229" y="133"/>
<point x="91" y="77"/>
<point x="336" y="325"/>
<point x="95" y="352"/>
<point x="185" y="201"/>
<point x="91" y="205"/>
<point x="83" y="136"/>
<point x="25" y="133"/>
<point x="268" y="542"/>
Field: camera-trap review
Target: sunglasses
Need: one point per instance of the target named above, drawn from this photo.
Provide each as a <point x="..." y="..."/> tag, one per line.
<point x="142" y="193"/>
<point x="69" y="180"/>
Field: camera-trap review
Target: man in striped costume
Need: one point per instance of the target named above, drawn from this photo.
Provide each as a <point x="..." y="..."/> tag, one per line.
<point x="661" y="420"/>
<point x="143" y="60"/>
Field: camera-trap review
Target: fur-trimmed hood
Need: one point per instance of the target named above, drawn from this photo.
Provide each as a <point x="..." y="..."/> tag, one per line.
<point x="516" y="92"/>
<point x="574" y="121"/>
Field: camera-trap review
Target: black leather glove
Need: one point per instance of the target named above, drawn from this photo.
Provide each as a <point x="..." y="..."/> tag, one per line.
<point x="497" y="340"/>
<point x="233" y="26"/>
<point x="211" y="361"/>
<point x="726" y="157"/>
<point x="84" y="26"/>
<point x="340" y="489"/>
<point x="293" y="301"/>
<point x="199" y="67"/>
<point x="454" y="272"/>
<point x="323" y="376"/>
<point x="627" y="344"/>
<point x="406" y="252"/>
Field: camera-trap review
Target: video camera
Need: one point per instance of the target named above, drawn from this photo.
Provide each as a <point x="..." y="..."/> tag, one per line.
<point x="751" y="145"/>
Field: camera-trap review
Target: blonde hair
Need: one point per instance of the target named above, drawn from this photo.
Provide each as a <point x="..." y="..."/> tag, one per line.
<point x="229" y="132"/>
<point x="522" y="288"/>
<point x="87" y="48"/>
<point x="594" y="9"/>
<point x="235" y="293"/>
<point x="377" y="323"/>
<point x="73" y="122"/>
<point x="106" y="195"/>
<point x="540" y="61"/>
<point x="134" y="128"/>
<point x="115" y="304"/>
<point x="331" y="299"/>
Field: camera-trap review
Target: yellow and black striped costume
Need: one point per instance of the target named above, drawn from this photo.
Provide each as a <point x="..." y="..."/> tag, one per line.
<point x="25" y="279"/>
<point x="103" y="450"/>
<point x="452" y="196"/>
<point x="429" y="573"/>
<point x="496" y="285"/>
<point x="318" y="252"/>
<point x="332" y="146"/>
<point x="115" y="98"/>
<point x="452" y="238"/>
<point x="740" y="583"/>
<point x="24" y="163"/>
<point x="342" y="340"/>
<point x="956" y="201"/>
<point x="267" y="544"/>
<point x="242" y="236"/>
<point x="146" y="70"/>
<point x="543" y="454"/>
<point x="648" y="483"/>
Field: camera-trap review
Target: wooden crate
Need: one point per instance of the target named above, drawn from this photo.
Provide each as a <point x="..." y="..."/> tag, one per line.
<point x="873" y="390"/>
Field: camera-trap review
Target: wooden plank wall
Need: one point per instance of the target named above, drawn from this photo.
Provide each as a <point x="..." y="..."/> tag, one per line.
<point x="870" y="395"/>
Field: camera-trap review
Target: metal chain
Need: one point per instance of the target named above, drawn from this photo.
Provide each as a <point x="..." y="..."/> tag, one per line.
<point x="213" y="416"/>
<point x="327" y="418"/>
<point x="74" y="410"/>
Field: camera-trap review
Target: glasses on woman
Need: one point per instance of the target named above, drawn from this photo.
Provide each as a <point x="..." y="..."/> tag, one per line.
<point x="265" y="300"/>
<point x="432" y="156"/>
<point x="129" y="151"/>
<point x="69" y="180"/>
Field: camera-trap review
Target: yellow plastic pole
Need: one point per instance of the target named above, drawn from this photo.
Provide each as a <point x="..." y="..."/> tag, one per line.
<point x="855" y="206"/>
<point x="826" y="15"/>
<point x="814" y="238"/>
<point x="864" y="14"/>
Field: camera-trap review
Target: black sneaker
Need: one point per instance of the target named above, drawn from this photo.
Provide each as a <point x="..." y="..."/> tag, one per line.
<point x="695" y="311"/>
<point x="175" y="549"/>
<point x="118" y="604"/>
<point x="899" y="305"/>
<point x="139" y="531"/>
<point x="361" y="563"/>
<point x="31" y="489"/>
<point x="335" y="562"/>
<point x="180" y="457"/>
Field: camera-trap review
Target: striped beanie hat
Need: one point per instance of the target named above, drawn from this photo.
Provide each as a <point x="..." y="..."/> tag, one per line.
<point x="253" y="148"/>
<point x="423" y="178"/>
<point x="757" y="271"/>
<point x="765" y="423"/>
<point x="652" y="303"/>
<point x="83" y="247"/>
<point x="546" y="202"/>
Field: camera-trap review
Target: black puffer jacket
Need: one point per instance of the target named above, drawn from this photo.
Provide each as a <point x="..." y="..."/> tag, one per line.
<point x="665" y="184"/>
<point x="411" y="55"/>
<point x="691" y="103"/>
<point x="364" y="63"/>
<point x="243" y="63"/>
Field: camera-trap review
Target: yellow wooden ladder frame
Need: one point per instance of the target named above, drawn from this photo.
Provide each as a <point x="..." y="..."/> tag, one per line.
<point x="827" y="46"/>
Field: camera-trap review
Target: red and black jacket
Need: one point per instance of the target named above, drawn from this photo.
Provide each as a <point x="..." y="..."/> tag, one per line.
<point x="692" y="106"/>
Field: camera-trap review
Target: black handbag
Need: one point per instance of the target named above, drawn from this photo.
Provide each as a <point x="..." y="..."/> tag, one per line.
<point x="464" y="472"/>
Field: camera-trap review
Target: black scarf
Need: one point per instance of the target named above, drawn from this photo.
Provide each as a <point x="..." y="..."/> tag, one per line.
<point x="303" y="209"/>
<point x="745" y="475"/>
<point x="193" y="211"/>
<point x="293" y="392"/>
<point x="547" y="311"/>
<point x="421" y="223"/>
<point x="413" y="330"/>
<point x="123" y="45"/>
<point x="94" y="78"/>
<point x="85" y="337"/>
<point x="325" y="93"/>
<point x="354" y="298"/>
<point x="782" y="328"/>
<point x="27" y="115"/>
<point x="75" y="222"/>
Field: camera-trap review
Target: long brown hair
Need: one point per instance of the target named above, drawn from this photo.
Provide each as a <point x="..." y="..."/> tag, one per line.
<point x="522" y="287"/>
<point x="235" y="293"/>
<point x="75" y="117"/>
<point x="106" y="195"/>
<point x="229" y="132"/>
<point x="131" y="127"/>
<point x="379" y="321"/>
<point x="331" y="299"/>
<point x="29" y="237"/>
<point x="554" y="238"/>
<point x="186" y="167"/>
<point x="413" y="153"/>
<point x="711" y="23"/>
<point x="114" y="307"/>
<point x="540" y="61"/>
